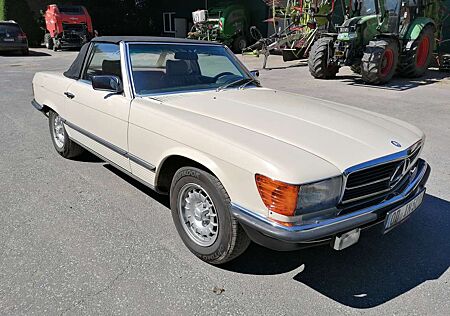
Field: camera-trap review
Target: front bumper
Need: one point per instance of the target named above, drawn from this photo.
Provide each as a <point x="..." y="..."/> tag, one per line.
<point x="276" y="236"/>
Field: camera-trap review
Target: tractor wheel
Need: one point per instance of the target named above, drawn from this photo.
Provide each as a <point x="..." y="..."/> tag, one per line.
<point x="356" y="68"/>
<point x="319" y="59"/>
<point x="239" y="44"/>
<point x="417" y="59"/>
<point x="380" y="61"/>
<point x="48" y="41"/>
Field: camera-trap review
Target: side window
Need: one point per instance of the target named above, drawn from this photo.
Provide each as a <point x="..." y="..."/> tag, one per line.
<point x="104" y="60"/>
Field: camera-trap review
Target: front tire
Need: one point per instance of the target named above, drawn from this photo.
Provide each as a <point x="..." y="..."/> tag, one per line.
<point x="379" y="62"/>
<point x="60" y="139"/>
<point x="201" y="213"/>
<point x="319" y="59"/>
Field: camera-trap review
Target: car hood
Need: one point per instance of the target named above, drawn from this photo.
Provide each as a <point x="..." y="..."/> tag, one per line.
<point x="342" y="135"/>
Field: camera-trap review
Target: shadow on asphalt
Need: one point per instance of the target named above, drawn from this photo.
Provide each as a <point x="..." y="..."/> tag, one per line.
<point x="32" y="54"/>
<point x="372" y="272"/>
<point x="161" y="198"/>
<point x="432" y="76"/>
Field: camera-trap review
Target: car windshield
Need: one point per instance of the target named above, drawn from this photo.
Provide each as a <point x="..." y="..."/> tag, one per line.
<point x="171" y="68"/>
<point x="9" y="30"/>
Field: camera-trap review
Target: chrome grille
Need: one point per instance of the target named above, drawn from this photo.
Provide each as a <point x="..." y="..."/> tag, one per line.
<point x="371" y="182"/>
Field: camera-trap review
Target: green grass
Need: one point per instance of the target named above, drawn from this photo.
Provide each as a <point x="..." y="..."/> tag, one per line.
<point x="2" y="10"/>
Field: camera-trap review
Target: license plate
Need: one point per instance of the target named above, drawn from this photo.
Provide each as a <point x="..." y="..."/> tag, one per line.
<point x="394" y="218"/>
<point x="8" y="39"/>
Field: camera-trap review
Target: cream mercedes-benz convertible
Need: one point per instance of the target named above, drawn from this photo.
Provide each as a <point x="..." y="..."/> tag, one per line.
<point x="239" y="161"/>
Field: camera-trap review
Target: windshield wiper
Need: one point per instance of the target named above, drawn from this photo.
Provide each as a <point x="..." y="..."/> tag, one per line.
<point x="250" y="80"/>
<point x="245" y="80"/>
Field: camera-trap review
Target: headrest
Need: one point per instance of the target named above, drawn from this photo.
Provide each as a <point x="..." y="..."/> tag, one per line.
<point x="112" y="68"/>
<point x="177" y="68"/>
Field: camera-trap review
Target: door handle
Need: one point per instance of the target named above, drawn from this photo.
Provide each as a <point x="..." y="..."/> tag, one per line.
<point x="69" y="95"/>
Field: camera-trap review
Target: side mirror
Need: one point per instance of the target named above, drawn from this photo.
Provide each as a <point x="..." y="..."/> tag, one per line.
<point x="107" y="83"/>
<point x="255" y="73"/>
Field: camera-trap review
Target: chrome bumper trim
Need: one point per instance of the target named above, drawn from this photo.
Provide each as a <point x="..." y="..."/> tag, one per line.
<point x="329" y="227"/>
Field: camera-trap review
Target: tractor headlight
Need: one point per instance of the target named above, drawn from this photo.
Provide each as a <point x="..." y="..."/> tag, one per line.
<point x="319" y="196"/>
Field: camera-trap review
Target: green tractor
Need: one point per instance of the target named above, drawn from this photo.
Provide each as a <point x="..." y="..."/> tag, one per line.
<point x="380" y="38"/>
<point x="228" y="25"/>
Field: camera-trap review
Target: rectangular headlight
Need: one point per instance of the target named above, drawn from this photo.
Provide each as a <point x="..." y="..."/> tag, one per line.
<point x="319" y="196"/>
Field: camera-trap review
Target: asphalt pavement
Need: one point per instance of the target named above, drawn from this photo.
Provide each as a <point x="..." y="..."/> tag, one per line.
<point x="80" y="237"/>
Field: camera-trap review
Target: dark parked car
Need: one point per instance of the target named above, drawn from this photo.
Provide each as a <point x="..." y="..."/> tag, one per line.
<point x="12" y="38"/>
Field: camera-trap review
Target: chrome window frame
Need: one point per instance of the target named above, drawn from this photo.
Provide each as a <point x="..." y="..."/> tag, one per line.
<point x="234" y="59"/>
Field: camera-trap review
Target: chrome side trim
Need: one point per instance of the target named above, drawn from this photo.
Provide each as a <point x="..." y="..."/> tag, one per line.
<point x="141" y="162"/>
<point x="99" y="140"/>
<point x="112" y="147"/>
<point x="340" y="219"/>
<point x="119" y="168"/>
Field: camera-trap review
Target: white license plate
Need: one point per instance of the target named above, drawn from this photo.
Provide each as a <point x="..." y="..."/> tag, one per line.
<point x="8" y="39"/>
<point x="394" y="218"/>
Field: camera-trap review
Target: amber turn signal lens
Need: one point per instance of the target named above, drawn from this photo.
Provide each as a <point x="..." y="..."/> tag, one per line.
<point x="279" y="197"/>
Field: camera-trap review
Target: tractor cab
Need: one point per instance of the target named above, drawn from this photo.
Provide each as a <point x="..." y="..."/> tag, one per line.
<point x="380" y="37"/>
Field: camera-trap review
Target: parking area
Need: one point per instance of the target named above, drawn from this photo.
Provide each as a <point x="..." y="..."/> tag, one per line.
<point x="80" y="237"/>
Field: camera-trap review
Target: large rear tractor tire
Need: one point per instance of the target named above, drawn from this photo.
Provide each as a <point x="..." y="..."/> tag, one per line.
<point x="380" y="61"/>
<point x="417" y="59"/>
<point x="319" y="63"/>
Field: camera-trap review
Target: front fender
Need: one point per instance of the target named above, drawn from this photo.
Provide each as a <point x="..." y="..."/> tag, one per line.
<point x="239" y="183"/>
<point x="416" y="28"/>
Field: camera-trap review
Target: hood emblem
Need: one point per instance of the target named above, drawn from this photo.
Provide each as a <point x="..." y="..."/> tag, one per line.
<point x="396" y="144"/>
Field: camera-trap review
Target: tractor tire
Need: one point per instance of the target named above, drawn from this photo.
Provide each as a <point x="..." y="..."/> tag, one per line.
<point x="379" y="62"/>
<point x="239" y="44"/>
<point x="318" y="60"/>
<point x="356" y="68"/>
<point x="418" y="58"/>
<point x="48" y="41"/>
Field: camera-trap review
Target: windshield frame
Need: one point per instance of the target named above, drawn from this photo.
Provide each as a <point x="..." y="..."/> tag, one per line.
<point x="236" y="62"/>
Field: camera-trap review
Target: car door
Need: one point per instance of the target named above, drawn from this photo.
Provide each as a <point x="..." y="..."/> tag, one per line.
<point x="99" y="119"/>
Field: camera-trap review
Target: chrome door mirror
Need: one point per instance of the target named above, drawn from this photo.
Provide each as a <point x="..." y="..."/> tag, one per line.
<point x="254" y="73"/>
<point x="107" y="83"/>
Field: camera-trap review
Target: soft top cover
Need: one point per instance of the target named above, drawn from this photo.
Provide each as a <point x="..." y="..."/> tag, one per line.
<point x="150" y="39"/>
<point x="75" y="69"/>
<point x="74" y="72"/>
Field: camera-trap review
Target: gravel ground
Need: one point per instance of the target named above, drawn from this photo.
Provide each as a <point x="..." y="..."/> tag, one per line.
<point x="79" y="237"/>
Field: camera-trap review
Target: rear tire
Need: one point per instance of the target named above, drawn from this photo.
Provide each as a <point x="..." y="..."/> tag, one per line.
<point x="201" y="213"/>
<point x="418" y="58"/>
<point x="48" y="41"/>
<point x="319" y="59"/>
<point x="60" y="139"/>
<point x="379" y="62"/>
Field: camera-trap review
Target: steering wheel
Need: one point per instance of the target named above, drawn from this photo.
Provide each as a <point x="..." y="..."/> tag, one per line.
<point x="222" y="74"/>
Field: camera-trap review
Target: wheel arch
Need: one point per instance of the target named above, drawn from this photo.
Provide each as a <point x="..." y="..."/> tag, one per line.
<point x="416" y="28"/>
<point x="174" y="161"/>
